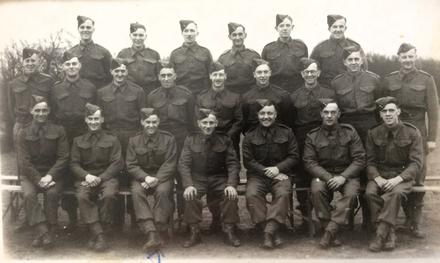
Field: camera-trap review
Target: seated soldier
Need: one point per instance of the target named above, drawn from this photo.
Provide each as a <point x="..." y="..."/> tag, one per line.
<point x="270" y="152"/>
<point x="43" y="153"/>
<point x="394" y="158"/>
<point x="333" y="156"/>
<point x="151" y="163"/>
<point x="209" y="163"/>
<point x="95" y="164"/>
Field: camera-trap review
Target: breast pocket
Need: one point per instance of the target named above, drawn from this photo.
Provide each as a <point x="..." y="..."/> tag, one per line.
<point x="279" y="149"/>
<point x="177" y="109"/>
<point x="141" y="155"/>
<point x="131" y="106"/>
<point x="49" y="145"/>
<point x="403" y="149"/>
<point x="219" y="156"/>
<point x="345" y="97"/>
<point x="109" y="107"/>
<point x="367" y="95"/>
<point x="103" y="151"/>
<point x="159" y="156"/>
<point x="85" y="149"/>
<point x="416" y="95"/>
<point x="260" y="148"/>
<point x="275" y="59"/>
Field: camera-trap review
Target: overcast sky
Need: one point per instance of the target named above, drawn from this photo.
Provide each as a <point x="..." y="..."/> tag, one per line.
<point x="378" y="25"/>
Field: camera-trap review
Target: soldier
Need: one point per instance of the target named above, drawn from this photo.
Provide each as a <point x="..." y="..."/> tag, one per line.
<point x="208" y="163"/>
<point x="191" y="61"/>
<point x="94" y="58"/>
<point x="307" y="108"/>
<point x="151" y="162"/>
<point x="417" y="94"/>
<point x="43" y="153"/>
<point x="329" y="52"/>
<point x="284" y="56"/>
<point x="238" y="61"/>
<point x="143" y="63"/>
<point x="269" y="153"/>
<point x="263" y="89"/>
<point x="333" y="156"/>
<point x="96" y="162"/>
<point x="394" y="158"/>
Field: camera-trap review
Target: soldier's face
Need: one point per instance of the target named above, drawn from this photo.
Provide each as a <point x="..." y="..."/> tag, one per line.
<point x="311" y="74"/>
<point x="31" y="64"/>
<point x="354" y="62"/>
<point x="218" y="79"/>
<point x="138" y="37"/>
<point x="40" y="112"/>
<point x="94" y="121"/>
<point x="190" y="33"/>
<point x="267" y="115"/>
<point x="285" y="28"/>
<point x="151" y="124"/>
<point x="167" y="78"/>
<point x="238" y="36"/>
<point x="72" y="67"/>
<point x="208" y="124"/>
<point x="262" y="75"/>
<point x="330" y="114"/>
<point x="337" y="30"/>
<point x="408" y="59"/>
<point x="120" y="74"/>
<point x="86" y="30"/>
<point x="390" y="114"/>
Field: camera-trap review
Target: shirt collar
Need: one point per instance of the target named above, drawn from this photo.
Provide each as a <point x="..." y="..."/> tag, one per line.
<point x="90" y="133"/>
<point x="36" y="126"/>
<point x="121" y="88"/>
<point x="83" y="45"/>
<point x="407" y="75"/>
<point x="288" y="42"/>
<point x="237" y="50"/>
<point x="191" y="47"/>
<point x="153" y="138"/>
<point x="133" y="51"/>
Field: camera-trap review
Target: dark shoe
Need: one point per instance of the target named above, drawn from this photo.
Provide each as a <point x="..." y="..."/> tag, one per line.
<point x="37" y="242"/>
<point x="377" y="244"/>
<point x="390" y="243"/>
<point x="336" y="242"/>
<point x="326" y="240"/>
<point x="231" y="239"/>
<point x="164" y="237"/>
<point x="100" y="243"/>
<point x="268" y="241"/>
<point x="70" y="228"/>
<point x="417" y="231"/>
<point x="194" y="237"/>
<point x="153" y="241"/>
<point x="46" y="240"/>
<point x="277" y="241"/>
<point x="91" y="243"/>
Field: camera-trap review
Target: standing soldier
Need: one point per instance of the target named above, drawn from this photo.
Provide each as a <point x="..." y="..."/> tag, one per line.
<point x="191" y="61"/>
<point x="94" y="58"/>
<point x="263" y="89"/>
<point x="307" y="108"/>
<point x="143" y="63"/>
<point x="333" y="156"/>
<point x="43" y="153"/>
<point x="417" y="94"/>
<point x="394" y="159"/>
<point x="208" y="163"/>
<point x="151" y="162"/>
<point x="329" y="52"/>
<point x="238" y="61"/>
<point x="96" y="162"/>
<point x="284" y="56"/>
<point x="269" y="153"/>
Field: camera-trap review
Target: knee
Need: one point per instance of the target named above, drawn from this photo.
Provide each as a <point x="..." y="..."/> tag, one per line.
<point x="109" y="194"/>
<point x="162" y="192"/>
<point x="30" y="196"/>
<point x="317" y="187"/>
<point x="82" y="196"/>
<point x="252" y="194"/>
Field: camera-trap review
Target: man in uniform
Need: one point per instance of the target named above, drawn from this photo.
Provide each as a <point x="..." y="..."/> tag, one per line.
<point x="94" y="58"/>
<point x="417" y="94"/>
<point x="333" y="156"/>
<point x="238" y="61"/>
<point x="263" y="89"/>
<point x="284" y="56"/>
<point x="96" y="162"/>
<point x="329" y="52"/>
<point x="43" y="153"/>
<point x="306" y="109"/>
<point x="191" y="61"/>
<point x="269" y="154"/>
<point x="143" y="63"/>
<point x="394" y="159"/>
<point x="209" y="163"/>
<point x="151" y="162"/>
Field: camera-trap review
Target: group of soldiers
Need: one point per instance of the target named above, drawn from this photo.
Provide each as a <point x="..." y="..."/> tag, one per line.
<point x="323" y="122"/>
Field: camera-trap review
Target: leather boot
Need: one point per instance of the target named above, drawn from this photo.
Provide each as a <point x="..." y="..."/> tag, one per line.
<point x="417" y="230"/>
<point x="390" y="243"/>
<point x="277" y="241"/>
<point x="100" y="243"/>
<point x="153" y="241"/>
<point x="326" y="240"/>
<point x="377" y="244"/>
<point x="229" y="236"/>
<point x="194" y="236"/>
<point x="268" y="241"/>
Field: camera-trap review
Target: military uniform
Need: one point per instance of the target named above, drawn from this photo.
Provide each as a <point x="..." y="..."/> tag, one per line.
<point x="356" y="95"/>
<point x="210" y="164"/>
<point x="154" y="156"/>
<point x="238" y="64"/>
<point x="328" y="152"/>
<point x="143" y="67"/>
<point x="329" y="55"/>
<point x="192" y="66"/>
<point x="265" y="147"/>
<point x="95" y="62"/>
<point x="284" y="59"/>
<point x="273" y="93"/>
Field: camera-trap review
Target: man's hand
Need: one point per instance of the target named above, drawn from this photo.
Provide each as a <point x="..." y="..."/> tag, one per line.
<point x="231" y="193"/>
<point x="190" y="193"/>
<point x="380" y="181"/>
<point x="391" y="183"/>
<point x="45" y="181"/>
<point x="92" y="180"/>
<point x="431" y="146"/>
<point x="335" y="182"/>
<point x="151" y="181"/>
<point x="281" y="177"/>
<point x="271" y="172"/>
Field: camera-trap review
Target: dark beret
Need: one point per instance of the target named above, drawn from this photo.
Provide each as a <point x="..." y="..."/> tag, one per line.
<point x="405" y="47"/>
<point x="28" y="52"/>
<point x="185" y="23"/>
<point x="233" y="26"/>
<point x="280" y="19"/>
<point x="136" y="26"/>
<point x="82" y="19"/>
<point x="306" y="62"/>
<point x="382" y="102"/>
<point x="325" y="101"/>
<point x="351" y="49"/>
<point x="147" y="112"/>
<point x="216" y="66"/>
<point x="204" y="113"/>
<point x="66" y="57"/>
<point x="38" y="99"/>
<point x="90" y="109"/>
<point x="333" y="18"/>
<point x="261" y="103"/>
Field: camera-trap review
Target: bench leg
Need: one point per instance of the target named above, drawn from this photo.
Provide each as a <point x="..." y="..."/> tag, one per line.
<point x="311" y="225"/>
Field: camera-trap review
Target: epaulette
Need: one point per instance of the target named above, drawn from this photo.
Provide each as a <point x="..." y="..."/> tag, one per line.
<point x="409" y="125"/>
<point x="225" y="52"/>
<point x="183" y="88"/>
<point x="425" y="73"/>
<point x="348" y="126"/>
<point x="253" y="51"/>
<point x="349" y="39"/>
<point x="166" y="133"/>
<point x="154" y="91"/>
<point x="299" y="41"/>
<point x="373" y="74"/>
<point x="46" y="75"/>
<point x="283" y="126"/>
<point x="338" y="76"/>
<point x="278" y="88"/>
<point x="108" y="132"/>
<point x="269" y="44"/>
<point x="393" y="73"/>
<point x="58" y="82"/>
<point x="315" y="129"/>
<point x="321" y="43"/>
